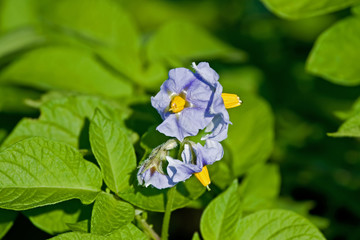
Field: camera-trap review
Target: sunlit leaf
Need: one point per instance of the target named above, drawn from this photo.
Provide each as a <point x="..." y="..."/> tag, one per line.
<point x="128" y="231"/>
<point x="18" y="40"/>
<point x="113" y="151"/>
<point x="260" y="187"/>
<point x="35" y="128"/>
<point x="295" y="9"/>
<point x="277" y="224"/>
<point x="79" y="72"/>
<point x="327" y="61"/>
<point x="180" y="40"/>
<point x="110" y="214"/>
<point x="104" y="25"/>
<point x="37" y="172"/>
<point x="221" y="216"/>
<point x="18" y="13"/>
<point x="350" y="128"/>
<point x="70" y="112"/>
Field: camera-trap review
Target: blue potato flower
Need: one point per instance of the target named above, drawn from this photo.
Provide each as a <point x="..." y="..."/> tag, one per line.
<point x="189" y="102"/>
<point x="194" y="159"/>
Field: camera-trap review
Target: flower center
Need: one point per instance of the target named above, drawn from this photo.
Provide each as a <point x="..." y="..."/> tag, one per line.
<point x="231" y="100"/>
<point x="177" y="104"/>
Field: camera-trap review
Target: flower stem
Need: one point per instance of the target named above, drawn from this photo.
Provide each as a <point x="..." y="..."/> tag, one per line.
<point x="166" y="220"/>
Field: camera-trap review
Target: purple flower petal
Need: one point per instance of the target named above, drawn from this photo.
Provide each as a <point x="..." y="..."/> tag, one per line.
<point x="154" y="178"/>
<point x="206" y="72"/>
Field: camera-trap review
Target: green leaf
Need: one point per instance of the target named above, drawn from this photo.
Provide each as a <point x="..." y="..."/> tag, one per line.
<point x="295" y="9"/>
<point x="12" y="99"/>
<point x="247" y="78"/>
<point x="113" y="151"/>
<point x="82" y="226"/>
<point x="102" y="24"/>
<point x="251" y="136"/>
<point x="18" y="13"/>
<point x="37" y="172"/>
<point x="18" y="40"/>
<point x="54" y="219"/>
<point x="260" y="188"/>
<point x="303" y="208"/>
<point x="70" y="112"/>
<point x="277" y="224"/>
<point x="188" y="42"/>
<point x="153" y="199"/>
<point x="221" y="215"/>
<point x="128" y="231"/>
<point x="79" y="72"/>
<point x="350" y="128"/>
<point x="333" y="56"/>
<point x="110" y="214"/>
<point x="35" y="128"/>
<point x="7" y="219"/>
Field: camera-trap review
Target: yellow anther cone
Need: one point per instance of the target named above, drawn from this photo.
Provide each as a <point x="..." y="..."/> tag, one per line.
<point x="177" y="104"/>
<point x="204" y="177"/>
<point x="231" y="100"/>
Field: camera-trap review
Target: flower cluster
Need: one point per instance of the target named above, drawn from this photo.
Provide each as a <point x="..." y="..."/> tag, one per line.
<point x="190" y="104"/>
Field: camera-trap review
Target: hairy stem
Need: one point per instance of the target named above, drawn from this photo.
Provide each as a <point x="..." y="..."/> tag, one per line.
<point x="166" y="220"/>
<point x="147" y="228"/>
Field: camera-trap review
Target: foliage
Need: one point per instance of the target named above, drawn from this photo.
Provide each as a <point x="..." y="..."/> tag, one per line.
<point x="75" y="84"/>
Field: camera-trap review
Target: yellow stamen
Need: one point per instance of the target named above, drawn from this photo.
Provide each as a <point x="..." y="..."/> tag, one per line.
<point x="177" y="104"/>
<point x="204" y="177"/>
<point x="231" y="100"/>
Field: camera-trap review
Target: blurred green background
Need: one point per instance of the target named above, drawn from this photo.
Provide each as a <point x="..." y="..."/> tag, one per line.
<point x="124" y="49"/>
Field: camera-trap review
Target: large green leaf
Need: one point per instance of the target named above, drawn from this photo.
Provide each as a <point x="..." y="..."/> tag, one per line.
<point x="221" y="216"/>
<point x="54" y="219"/>
<point x="62" y="118"/>
<point x="17" y="13"/>
<point x="333" y="56"/>
<point x="295" y="9"/>
<point x="79" y="72"/>
<point x="113" y="151"/>
<point x="18" y="40"/>
<point x="250" y="137"/>
<point x="70" y="112"/>
<point x="182" y="41"/>
<point x="7" y="219"/>
<point x="277" y="224"/>
<point x="102" y="24"/>
<point x="35" y="128"/>
<point x="110" y="214"/>
<point x="350" y="128"/>
<point x="260" y="187"/>
<point x="127" y="232"/>
<point x="37" y="172"/>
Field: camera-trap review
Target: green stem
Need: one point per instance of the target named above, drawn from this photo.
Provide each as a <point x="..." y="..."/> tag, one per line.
<point x="147" y="228"/>
<point x="166" y="220"/>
